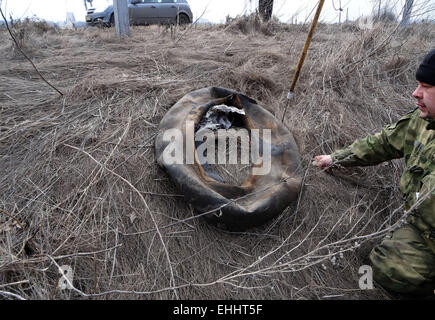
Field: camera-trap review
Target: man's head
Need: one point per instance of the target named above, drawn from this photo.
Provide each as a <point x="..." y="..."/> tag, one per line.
<point x="425" y="92"/>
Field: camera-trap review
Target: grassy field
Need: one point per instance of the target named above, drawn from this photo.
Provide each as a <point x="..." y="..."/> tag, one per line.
<point x="80" y="186"/>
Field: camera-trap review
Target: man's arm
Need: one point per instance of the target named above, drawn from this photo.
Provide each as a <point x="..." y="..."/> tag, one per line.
<point x="385" y="145"/>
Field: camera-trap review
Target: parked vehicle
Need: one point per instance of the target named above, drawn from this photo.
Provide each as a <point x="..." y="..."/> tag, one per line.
<point x="144" y="12"/>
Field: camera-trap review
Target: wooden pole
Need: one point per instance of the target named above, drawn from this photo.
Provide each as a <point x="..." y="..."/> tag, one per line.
<point x="122" y="20"/>
<point x="304" y="54"/>
<point x="407" y="10"/>
<point x="307" y="45"/>
<point x="379" y="10"/>
<point x="339" y="13"/>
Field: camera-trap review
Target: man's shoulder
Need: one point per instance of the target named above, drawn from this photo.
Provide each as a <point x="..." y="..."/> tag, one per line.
<point x="414" y="120"/>
<point x="414" y="114"/>
<point x="418" y="122"/>
<point x="403" y="122"/>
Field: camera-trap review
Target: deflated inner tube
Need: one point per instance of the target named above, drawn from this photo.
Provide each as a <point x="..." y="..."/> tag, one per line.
<point x="263" y="194"/>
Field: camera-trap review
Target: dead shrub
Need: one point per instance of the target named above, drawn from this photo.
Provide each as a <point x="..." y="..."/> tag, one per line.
<point x="81" y="187"/>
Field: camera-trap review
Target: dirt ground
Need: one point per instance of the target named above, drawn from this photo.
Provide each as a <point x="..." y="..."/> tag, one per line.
<point x="80" y="187"/>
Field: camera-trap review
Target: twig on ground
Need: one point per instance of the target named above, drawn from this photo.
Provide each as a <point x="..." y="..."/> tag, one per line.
<point x="157" y="229"/>
<point x="14" y="295"/>
<point x="13" y="283"/>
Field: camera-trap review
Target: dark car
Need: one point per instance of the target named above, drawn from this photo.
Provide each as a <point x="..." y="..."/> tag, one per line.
<point x="146" y="12"/>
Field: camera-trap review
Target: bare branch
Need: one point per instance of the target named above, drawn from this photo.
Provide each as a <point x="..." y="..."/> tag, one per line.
<point x="25" y="55"/>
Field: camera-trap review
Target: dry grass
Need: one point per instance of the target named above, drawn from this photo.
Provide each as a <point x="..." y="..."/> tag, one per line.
<point x="81" y="187"/>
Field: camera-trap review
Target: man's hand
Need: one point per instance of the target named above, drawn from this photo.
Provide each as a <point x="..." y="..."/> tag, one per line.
<point x="323" y="162"/>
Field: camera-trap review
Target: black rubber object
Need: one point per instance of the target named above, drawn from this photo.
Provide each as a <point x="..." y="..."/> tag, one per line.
<point x="260" y="197"/>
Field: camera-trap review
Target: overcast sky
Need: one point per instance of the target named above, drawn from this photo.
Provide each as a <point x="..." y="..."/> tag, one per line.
<point x="215" y="10"/>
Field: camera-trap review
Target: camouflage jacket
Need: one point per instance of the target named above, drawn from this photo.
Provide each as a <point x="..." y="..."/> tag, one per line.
<point x="414" y="139"/>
